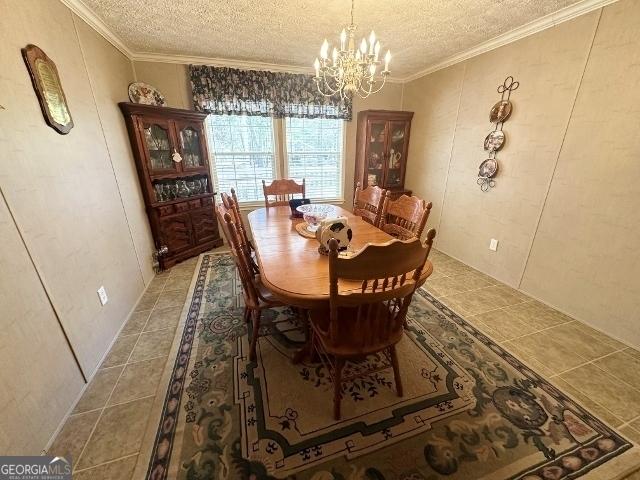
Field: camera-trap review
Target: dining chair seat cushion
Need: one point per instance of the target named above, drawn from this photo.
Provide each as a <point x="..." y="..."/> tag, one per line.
<point x="349" y="329"/>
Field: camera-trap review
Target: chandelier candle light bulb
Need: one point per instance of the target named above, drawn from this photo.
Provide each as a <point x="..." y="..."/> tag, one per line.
<point x="324" y="50"/>
<point x="351" y="68"/>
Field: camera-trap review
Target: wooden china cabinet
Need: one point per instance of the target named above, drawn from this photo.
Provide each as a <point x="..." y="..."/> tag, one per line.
<point x="170" y="151"/>
<point x="381" y="149"/>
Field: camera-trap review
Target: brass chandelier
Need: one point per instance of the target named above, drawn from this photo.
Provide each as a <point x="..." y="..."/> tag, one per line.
<point x="351" y="70"/>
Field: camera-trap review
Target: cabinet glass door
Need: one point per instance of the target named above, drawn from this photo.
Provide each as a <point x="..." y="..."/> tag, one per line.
<point x="396" y="154"/>
<point x="190" y="138"/>
<point x="375" y="161"/>
<point x="157" y="138"/>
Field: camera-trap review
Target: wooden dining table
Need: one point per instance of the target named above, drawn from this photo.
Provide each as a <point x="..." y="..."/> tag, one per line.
<point x="291" y="266"/>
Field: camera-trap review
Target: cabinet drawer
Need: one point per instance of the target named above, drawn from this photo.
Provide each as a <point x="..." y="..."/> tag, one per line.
<point x="193" y="204"/>
<point x="207" y="201"/>
<point x="166" y="210"/>
<point x="181" y="207"/>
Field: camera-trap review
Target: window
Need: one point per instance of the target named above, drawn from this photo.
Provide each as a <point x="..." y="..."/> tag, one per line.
<point x="248" y="149"/>
<point x="243" y="153"/>
<point x="314" y="152"/>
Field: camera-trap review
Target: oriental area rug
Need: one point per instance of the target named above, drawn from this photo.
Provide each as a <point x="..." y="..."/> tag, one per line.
<point x="470" y="410"/>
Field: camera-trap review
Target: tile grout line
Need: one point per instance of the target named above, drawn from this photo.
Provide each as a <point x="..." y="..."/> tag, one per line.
<point x="633" y="387"/>
<point x="548" y="377"/>
<point x="116" y="383"/>
<point x="106" y="463"/>
<point x="594" y="401"/>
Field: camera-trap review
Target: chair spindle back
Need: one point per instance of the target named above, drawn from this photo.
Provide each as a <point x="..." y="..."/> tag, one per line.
<point x="388" y="274"/>
<point x="406" y="217"/>
<point x="282" y="190"/>
<point x="368" y="203"/>
<point x="243" y="264"/>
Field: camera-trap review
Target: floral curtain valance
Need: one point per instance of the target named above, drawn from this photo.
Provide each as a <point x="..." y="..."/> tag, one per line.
<point x="222" y="90"/>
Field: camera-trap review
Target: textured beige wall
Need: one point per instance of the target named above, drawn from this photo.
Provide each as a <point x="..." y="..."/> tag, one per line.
<point x="108" y="72"/>
<point x="39" y="375"/>
<point x="170" y="78"/>
<point x="76" y="204"/>
<point x="173" y="81"/>
<point x="434" y="100"/>
<point x="582" y="186"/>
<point x="585" y="254"/>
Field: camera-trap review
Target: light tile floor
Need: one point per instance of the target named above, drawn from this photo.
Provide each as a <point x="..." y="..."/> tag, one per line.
<point x="104" y="433"/>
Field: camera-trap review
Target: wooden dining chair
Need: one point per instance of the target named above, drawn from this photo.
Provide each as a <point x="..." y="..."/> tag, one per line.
<point x="233" y="207"/>
<point x="405" y="217"/>
<point x="368" y="203"/>
<point x="370" y="318"/>
<point x="282" y="190"/>
<point x="256" y="296"/>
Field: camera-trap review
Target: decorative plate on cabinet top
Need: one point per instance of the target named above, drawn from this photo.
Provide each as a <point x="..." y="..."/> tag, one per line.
<point x="146" y="94"/>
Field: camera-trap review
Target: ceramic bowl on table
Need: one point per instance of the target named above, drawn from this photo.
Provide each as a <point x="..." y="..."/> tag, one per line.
<point x="314" y="213"/>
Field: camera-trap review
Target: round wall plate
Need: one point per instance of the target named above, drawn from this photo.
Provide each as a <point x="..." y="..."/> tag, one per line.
<point x="145" y="94"/>
<point x="500" y="111"/>
<point x="488" y="168"/>
<point x="494" y="141"/>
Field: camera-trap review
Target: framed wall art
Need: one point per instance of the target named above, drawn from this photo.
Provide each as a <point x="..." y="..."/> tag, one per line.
<point x="46" y="83"/>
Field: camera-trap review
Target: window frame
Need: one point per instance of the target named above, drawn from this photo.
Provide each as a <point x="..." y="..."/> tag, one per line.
<point x="281" y="163"/>
<point x="285" y="162"/>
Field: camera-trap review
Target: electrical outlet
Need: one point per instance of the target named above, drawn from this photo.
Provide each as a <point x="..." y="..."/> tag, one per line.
<point x="493" y="244"/>
<point x="102" y="295"/>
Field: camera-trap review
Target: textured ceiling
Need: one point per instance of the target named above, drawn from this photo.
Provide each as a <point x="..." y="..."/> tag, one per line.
<point x="420" y="33"/>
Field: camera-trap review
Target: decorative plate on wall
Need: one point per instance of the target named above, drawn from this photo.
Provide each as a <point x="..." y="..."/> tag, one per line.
<point x="488" y="168"/>
<point x="500" y="111"/>
<point x="145" y="94"/>
<point x="494" y="141"/>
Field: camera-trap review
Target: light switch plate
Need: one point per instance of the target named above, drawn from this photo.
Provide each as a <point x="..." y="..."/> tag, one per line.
<point x="102" y="295"/>
<point x="493" y="244"/>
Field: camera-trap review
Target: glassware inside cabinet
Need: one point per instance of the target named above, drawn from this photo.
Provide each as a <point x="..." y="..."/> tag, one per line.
<point x="172" y="189"/>
<point x="159" y="147"/>
<point x="376" y="153"/>
<point x="191" y="151"/>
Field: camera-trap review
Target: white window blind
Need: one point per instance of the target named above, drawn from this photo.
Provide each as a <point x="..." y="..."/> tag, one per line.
<point x="243" y="154"/>
<point x="314" y="152"/>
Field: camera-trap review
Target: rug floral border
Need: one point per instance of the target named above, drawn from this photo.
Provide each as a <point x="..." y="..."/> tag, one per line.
<point x="165" y="435"/>
<point x="543" y="468"/>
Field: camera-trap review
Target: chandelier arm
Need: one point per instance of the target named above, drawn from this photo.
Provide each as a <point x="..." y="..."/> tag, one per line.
<point x="384" y="79"/>
<point x="331" y="91"/>
<point x="349" y="71"/>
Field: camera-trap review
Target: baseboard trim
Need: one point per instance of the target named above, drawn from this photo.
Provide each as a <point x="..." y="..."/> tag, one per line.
<point x="545" y="302"/>
<point x="93" y="374"/>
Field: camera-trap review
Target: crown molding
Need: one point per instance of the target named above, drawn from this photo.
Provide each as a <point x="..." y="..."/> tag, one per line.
<point x="86" y="14"/>
<point x="585" y="6"/>
<point x="228" y="62"/>
<point x="218" y="62"/>
<point x="542" y="23"/>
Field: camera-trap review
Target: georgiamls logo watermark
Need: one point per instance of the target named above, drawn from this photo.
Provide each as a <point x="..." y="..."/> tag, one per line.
<point x="35" y="468"/>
